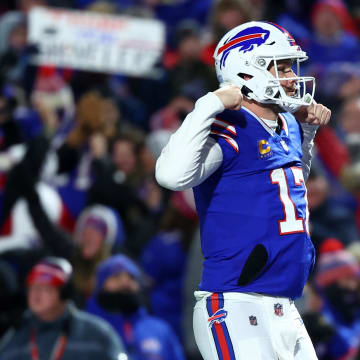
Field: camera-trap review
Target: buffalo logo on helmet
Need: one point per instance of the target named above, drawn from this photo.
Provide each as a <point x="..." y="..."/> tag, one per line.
<point x="278" y="309"/>
<point x="245" y="40"/>
<point x="218" y="317"/>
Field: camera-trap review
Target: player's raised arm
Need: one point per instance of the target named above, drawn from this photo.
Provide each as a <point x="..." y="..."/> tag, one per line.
<point x="310" y="118"/>
<point x="181" y="164"/>
<point x="191" y="155"/>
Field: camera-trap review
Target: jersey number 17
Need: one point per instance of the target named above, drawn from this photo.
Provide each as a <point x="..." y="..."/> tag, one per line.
<point x="291" y="223"/>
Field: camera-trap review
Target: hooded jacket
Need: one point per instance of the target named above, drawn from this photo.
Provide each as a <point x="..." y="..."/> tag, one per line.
<point x="145" y="337"/>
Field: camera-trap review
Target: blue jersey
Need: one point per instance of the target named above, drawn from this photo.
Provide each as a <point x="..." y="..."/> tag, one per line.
<point x="255" y="204"/>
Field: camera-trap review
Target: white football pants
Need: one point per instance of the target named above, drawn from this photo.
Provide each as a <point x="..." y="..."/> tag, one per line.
<point x="249" y="326"/>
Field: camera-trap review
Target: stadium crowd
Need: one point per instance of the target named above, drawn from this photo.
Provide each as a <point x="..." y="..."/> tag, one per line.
<point x="96" y="259"/>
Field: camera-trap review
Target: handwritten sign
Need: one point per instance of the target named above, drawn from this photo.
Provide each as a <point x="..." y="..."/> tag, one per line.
<point x="96" y="42"/>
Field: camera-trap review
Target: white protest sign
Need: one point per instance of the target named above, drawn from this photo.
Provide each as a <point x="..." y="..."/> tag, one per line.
<point x="96" y="42"/>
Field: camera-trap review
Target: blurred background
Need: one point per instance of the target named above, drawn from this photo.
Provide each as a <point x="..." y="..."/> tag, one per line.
<point x="90" y="92"/>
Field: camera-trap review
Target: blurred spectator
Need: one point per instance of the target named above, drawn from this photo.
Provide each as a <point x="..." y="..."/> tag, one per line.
<point x="113" y="174"/>
<point x="98" y="232"/>
<point x="333" y="42"/>
<point x="335" y="161"/>
<point x="164" y="259"/>
<point x="117" y="300"/>
<point x="294" y="15"/>
<point x="92" y="127"/>
<point x="226" y="14"/>
<point x="342" y="81"/>
<point x="348" y="125"/>
<point x="330" y="18"/>
<point x="16" y="53"/>
<point x="13" y="43"/>
<point x="53" y="90"/>
<point x="12" y="300"/>
<point x="13" y="32"/>
<point x="127" y="184"/>
<point x="53" y="325"/>
<point x="190" y="74"/>
<point x="172" y="115"/>
<point x="327" y="217"/>
<point x="10" y="133"/>
<point x="323" y="334"/>
<point x="337" y="280"/>
<point x="89" y="116"/>
<point x="21" y="181"/>
<point x="125" y="153"/>
<point x="342" y="162"/>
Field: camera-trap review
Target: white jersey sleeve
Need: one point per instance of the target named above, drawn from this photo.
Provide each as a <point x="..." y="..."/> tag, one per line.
<point x="309" y="132"/>
<point x="191" y="156"/>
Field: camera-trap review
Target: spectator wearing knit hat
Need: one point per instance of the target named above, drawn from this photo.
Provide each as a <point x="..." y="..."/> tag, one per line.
<point x="98" y="232"/>
<point x="53" y="326"/>
<point x="117" y="300"/>
<point x="336" y="266"/>
<point x="332" y="47"/>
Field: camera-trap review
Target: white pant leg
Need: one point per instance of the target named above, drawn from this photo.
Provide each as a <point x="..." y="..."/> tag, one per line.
<point x="202" y="331"/>
<point x="304" y="349"/>
<point x="243" y="333"/>
<point x="281" y="327"/>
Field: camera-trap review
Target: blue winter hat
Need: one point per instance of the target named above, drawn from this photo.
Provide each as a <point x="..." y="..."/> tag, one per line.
<point x="106" y="220"/>
<point x="115" y="265"/>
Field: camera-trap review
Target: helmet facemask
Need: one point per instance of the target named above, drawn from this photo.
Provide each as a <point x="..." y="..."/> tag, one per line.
<point x="274" y="92"/>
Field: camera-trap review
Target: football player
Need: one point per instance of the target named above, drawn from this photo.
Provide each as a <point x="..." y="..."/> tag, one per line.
<point x="246" y="151"/>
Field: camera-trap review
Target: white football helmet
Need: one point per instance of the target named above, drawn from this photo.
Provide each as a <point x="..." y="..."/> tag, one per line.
<point x="247" y="51"/>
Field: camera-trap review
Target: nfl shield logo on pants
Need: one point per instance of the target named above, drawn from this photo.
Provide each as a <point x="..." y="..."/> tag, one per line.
<point x="253" y="320"/>
<point x="278" y="309"/>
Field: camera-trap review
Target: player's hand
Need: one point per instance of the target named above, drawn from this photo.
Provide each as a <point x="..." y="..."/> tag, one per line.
<point x="315" y="114"/>
<point x="231" y="96"/>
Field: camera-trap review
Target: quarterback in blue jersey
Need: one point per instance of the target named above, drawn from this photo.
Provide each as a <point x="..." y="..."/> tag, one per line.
<point x="245" y="150"/>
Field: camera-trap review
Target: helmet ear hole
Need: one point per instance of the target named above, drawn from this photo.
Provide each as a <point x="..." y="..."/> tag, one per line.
<point x="245" y="90"/>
